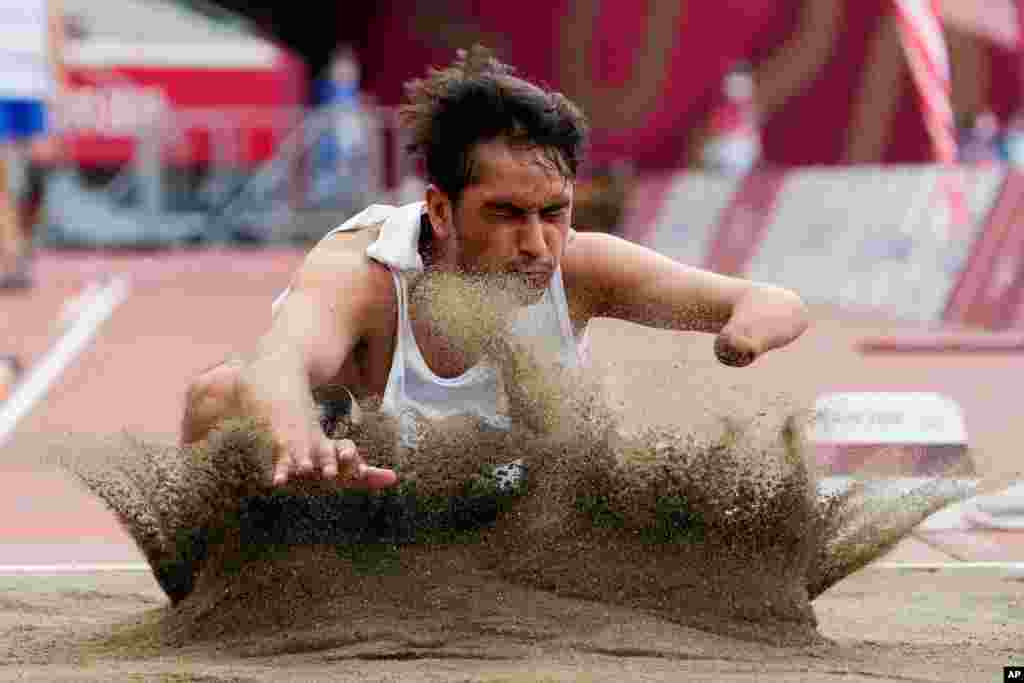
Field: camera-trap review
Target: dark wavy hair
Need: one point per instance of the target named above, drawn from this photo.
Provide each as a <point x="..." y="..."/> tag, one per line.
<point x="478" y="99"/>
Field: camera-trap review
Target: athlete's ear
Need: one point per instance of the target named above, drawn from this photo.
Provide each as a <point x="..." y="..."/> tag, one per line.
<point x="441" y="212"/>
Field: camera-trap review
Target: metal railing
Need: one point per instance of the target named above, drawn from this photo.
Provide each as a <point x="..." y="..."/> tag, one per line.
<point x="294" y="195"/>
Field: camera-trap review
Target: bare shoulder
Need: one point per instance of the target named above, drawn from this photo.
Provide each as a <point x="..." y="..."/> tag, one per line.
<point x="581" y="274"/>
<point x="596" y="255"/>
<point x="338" y="271"/>
<point x="601" y="271"/>
<point x="352" y="241"/>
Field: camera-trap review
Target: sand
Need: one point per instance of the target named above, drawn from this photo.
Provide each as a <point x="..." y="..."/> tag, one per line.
<point x="882" y="625"/>
<point x="698" y="551"/>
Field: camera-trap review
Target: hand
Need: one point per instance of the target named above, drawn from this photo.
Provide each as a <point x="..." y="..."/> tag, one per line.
<point x="328" y="459"/>
<point x="275" y="391"/>
<point x="301" y="449"/>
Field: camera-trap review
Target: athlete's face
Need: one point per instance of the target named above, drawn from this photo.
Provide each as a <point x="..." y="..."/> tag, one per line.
<point x="513" y="220"/>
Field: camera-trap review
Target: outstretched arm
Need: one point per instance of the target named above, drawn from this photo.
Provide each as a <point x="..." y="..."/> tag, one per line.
<point x="311" y="335"/>
<point x="614" y="278"/>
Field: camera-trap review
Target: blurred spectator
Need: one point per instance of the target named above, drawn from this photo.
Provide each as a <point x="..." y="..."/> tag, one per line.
<point x="1013" y="141"/>
<point x="31" y="42"/>
<point x="979" y="140"/>
<point x="341" y="152"/>
<point x="733" y="143"/>
<point x="600" y="199"/>
<point x="75" y="27"/>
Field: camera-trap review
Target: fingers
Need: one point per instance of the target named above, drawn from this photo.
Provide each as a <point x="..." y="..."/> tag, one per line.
<point x="332" y="461"/>
<point x="349" y="464"/>
<point x="372" y="478"/>
<point x="287" y="461"/>
<point x="353" y="472"/>
<point x="281" y="469"/>
<point x="303" y="459"/>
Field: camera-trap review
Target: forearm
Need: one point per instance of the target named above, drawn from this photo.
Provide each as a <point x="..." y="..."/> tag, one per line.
<point x="275" y="378"/>
<point x="680" y="299"/>
<point x="750" y="318"/>
<point x="240" y="387"/>
<point x="610" y="277"/>
<point x="692" y="300"/>
<point x="301" y="351"/>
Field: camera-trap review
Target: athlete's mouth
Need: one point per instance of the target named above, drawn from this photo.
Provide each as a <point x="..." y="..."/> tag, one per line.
<point x="536" y="278"/>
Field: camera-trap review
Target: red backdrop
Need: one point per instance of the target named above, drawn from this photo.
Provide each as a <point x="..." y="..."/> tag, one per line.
<point x="832" y="78"/>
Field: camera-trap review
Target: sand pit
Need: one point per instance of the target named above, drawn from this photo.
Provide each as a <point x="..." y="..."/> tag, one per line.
<point x="883" y="625"/>
<point x="624" y="542"/>
<point x="245" y="564"/>
<point x="723" y="531"/>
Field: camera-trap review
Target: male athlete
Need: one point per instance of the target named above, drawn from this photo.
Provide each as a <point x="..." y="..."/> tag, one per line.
<point x="501" y="157"/>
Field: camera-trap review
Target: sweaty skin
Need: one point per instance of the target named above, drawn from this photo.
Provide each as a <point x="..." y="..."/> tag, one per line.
<point x="339" y="323"/>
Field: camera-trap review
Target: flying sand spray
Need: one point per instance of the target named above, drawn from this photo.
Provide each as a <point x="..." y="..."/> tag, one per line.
<point x="723" y="531"/>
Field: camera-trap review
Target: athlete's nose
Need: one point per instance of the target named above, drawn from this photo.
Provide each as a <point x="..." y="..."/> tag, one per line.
<point x="531" y="240"/>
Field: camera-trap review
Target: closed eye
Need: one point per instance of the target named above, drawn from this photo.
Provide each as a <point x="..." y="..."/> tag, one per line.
<point x="507" y="210"/>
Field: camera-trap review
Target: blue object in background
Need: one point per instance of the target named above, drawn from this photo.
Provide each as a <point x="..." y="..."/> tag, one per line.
<point x="340" y="149"/>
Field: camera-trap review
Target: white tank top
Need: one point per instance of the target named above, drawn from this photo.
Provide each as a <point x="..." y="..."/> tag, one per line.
<point x="414" y="390"/>
<point x="25" y="67"/>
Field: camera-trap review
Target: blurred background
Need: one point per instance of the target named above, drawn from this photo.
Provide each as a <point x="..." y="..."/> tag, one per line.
<point x="783" y="139"/>
<point x="866" y="153"/>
